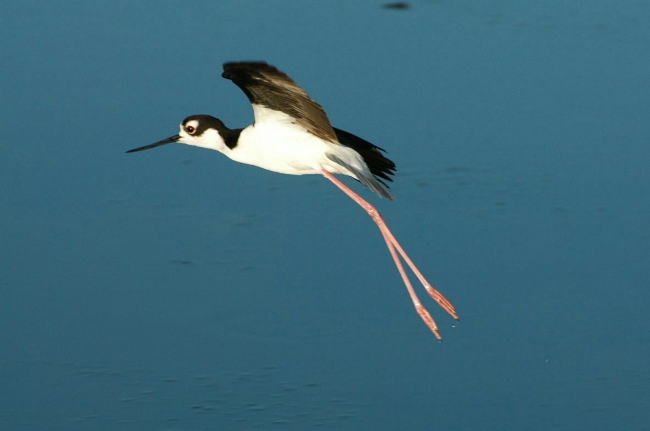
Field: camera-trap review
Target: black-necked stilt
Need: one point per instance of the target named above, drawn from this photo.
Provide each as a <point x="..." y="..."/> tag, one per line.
<point x="292" y="135"/>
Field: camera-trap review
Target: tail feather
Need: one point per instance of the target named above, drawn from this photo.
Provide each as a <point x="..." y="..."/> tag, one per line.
<point x="364" y="176"/>
<point x="380" y="166"/>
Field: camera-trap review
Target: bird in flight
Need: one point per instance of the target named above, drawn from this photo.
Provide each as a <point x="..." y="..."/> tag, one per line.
<point x="292" y="135"/>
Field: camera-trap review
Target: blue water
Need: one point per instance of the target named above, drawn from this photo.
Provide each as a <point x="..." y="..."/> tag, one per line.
<point x="176" y="290"/>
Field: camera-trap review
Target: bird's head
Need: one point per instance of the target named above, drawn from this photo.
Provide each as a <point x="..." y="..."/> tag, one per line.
<point x="196" y="130"/>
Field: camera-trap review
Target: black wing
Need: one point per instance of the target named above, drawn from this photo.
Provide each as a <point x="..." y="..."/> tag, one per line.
<point x="266" y="86"/>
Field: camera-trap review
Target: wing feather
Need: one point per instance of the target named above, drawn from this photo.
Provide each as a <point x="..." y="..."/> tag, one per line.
<point x="265" y="85"/>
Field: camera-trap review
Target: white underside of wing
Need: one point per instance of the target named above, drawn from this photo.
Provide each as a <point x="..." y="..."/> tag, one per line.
<point x="275" y="142"/>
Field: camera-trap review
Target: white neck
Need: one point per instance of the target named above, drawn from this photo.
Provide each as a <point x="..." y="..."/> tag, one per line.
<point x="210" y="139"/>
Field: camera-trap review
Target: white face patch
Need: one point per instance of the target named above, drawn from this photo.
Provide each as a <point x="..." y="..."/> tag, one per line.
<point x="189" y="128"/>
<point x="209" y="138"/>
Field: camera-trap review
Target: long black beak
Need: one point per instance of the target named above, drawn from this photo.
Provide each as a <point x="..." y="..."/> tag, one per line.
<point x="169" y="140"/>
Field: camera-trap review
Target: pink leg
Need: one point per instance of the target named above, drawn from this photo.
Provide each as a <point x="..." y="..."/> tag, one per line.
<point x="437" y="296"/>
<point x="424" y="314"/>
<point x="394" y="247"/>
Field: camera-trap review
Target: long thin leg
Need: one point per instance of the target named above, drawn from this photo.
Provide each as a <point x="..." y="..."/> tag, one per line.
<point x="437" y="296"/>
<point x="394" y="247"/>
<point x="424" y="314"/>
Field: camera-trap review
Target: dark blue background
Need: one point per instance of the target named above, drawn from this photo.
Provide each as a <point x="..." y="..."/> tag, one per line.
<point x="177" y="290"/>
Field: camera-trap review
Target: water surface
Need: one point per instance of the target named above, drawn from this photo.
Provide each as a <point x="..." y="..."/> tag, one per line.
<point x="175" y="289"/>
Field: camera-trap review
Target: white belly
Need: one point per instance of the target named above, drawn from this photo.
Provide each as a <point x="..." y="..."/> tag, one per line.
<point x="285" y="148"/>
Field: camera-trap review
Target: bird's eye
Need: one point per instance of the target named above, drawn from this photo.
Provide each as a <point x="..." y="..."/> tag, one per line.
<point x="190" y="129"/>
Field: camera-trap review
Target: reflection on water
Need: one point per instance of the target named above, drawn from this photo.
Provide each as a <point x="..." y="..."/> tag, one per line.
<point x="397" y="5"/>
